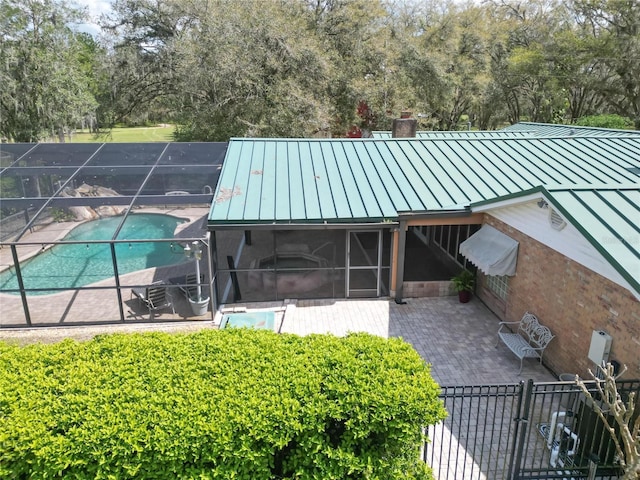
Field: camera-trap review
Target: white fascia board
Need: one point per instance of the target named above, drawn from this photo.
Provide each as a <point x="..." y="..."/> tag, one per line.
<point x="508" y="203"/>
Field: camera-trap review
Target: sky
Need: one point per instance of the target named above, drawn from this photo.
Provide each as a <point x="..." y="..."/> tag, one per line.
<point x="95" y="8"/>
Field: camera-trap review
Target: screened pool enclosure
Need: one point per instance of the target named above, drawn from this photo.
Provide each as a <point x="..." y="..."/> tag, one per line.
<point x="99" y="233"/>
<point x="263" y="263"/>
<point x="112" y="233"/>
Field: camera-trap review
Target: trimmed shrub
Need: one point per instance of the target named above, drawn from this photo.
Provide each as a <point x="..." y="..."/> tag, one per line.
<point x="606" y="121"/>
<point x="227" y="404"/>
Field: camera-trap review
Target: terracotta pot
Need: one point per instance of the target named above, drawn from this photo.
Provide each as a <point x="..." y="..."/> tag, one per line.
<point x="464" y="296"/>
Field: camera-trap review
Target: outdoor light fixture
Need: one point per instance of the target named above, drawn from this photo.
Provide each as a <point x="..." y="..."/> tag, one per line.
<point x="193" y="251"/>
<point x="542" y="203"/>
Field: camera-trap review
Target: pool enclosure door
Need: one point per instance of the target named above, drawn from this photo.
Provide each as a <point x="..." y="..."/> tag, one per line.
<point x="364" y="263"/>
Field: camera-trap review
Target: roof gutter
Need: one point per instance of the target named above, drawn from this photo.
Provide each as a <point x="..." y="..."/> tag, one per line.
<point x="300" y="226"/>
<point x="434" y="214"/>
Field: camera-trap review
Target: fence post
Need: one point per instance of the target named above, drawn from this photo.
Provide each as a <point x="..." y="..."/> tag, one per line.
<point x="593" y="466"/>
<point x="520" y="432"/>
<point x="23" y="295"/>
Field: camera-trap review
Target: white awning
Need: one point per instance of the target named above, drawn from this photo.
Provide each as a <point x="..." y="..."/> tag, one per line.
<point x="491" y="251"/>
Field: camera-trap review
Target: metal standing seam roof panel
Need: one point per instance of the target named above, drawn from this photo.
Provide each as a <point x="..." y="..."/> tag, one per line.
<point x="380" y="191"/>
<point x="219" y="207"/>
<point x="418" y="174"/>
<point x="352" y="185"/>
<point x="607" y="227"/>
<point x="512" y="160"/>
<point x="475" y="162"/>
<point x="269" y="178"/>
<point x="594" y="163"/>
<point x="410" y="200"/>
<point x="496" y="157"/>
<point x="382" y="179"/>
<point x="433" y="175"/>
<point x="251" y="204"/>
<point x="296" y="193"/>
<point x="367" y="195"/>
<point x="361" y="190"/>
<point x="568" y="167"/>
<point x="456" y="134"/>
<point x="325" y="195"/>
<point x="339" y="190"/>
<point x="366" y="180"/>
<point x="558" y="165"/>
<point x="235" y="196"/>
<point x="309" y="184"/>
<point x="556" y="130"/>
<point x="465" y="170"/>
<point x="509" y="174"/>
<point x="613" y="153"/>
<point x="416" y="190"/>
<point x="284" y="183"/>
<point x="622" y="146"/>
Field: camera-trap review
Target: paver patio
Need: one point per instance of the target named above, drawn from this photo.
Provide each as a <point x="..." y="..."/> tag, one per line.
<point x="459" y="340"/>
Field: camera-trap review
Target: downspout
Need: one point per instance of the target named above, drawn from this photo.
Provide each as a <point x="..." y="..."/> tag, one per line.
<point x="402" y="242"/>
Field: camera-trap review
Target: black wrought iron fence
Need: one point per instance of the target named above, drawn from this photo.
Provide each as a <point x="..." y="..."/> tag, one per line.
<point x="524" y="431"/>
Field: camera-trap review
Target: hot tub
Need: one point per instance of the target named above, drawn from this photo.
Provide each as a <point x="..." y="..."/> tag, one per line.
<point x="289" y="272"/>
<point x="256" y="320"/>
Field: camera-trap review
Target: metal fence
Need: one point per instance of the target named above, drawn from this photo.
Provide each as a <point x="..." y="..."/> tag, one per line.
<point x="523" y="431"/>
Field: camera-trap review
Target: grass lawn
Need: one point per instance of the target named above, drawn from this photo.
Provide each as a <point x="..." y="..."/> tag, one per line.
<point x="135" y="134"/>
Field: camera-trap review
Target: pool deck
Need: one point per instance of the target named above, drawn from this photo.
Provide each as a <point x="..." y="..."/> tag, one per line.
<point x="459" y="340"/>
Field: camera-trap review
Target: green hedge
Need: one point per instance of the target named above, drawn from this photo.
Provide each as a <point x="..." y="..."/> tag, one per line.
<point x="605" y="121"/>
<point x="230" y="404"/>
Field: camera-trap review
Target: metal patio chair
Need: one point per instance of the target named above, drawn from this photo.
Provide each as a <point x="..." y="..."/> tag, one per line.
<point x="155" y="297"/>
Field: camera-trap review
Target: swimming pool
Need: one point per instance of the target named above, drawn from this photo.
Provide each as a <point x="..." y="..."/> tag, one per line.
<point x="76" y="265"/>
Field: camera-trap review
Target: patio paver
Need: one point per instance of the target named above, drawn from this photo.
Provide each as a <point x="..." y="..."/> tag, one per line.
<point x="459" y="340"/>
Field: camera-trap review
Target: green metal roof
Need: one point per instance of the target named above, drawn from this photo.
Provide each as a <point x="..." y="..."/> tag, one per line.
<point x="554" y="130"/>
<point x="455" y="134"/>
<point x="607" y="217"/>
<point x="289" y="181"/>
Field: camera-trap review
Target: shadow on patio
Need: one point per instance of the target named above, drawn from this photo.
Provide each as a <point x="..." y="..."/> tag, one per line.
<point x="459" y="340"/>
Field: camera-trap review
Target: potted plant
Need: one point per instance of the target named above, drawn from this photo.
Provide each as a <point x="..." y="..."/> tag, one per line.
<point x="463" y="284"/>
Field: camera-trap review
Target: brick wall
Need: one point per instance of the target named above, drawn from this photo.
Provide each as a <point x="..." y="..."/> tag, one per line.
<point x="572" y="301"/>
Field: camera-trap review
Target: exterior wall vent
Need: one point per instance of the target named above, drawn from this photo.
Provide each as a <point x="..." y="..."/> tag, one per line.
<point x="556" y="221"/>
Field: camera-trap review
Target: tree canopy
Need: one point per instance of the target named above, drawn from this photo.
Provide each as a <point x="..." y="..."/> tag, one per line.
<point x="218" y="69"/>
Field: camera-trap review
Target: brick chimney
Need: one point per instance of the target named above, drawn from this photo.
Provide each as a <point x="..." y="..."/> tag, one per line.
<point x="404" y="127"/>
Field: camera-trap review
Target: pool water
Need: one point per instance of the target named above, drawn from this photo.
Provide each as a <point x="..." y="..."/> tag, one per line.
<point x="76" y="265"/>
